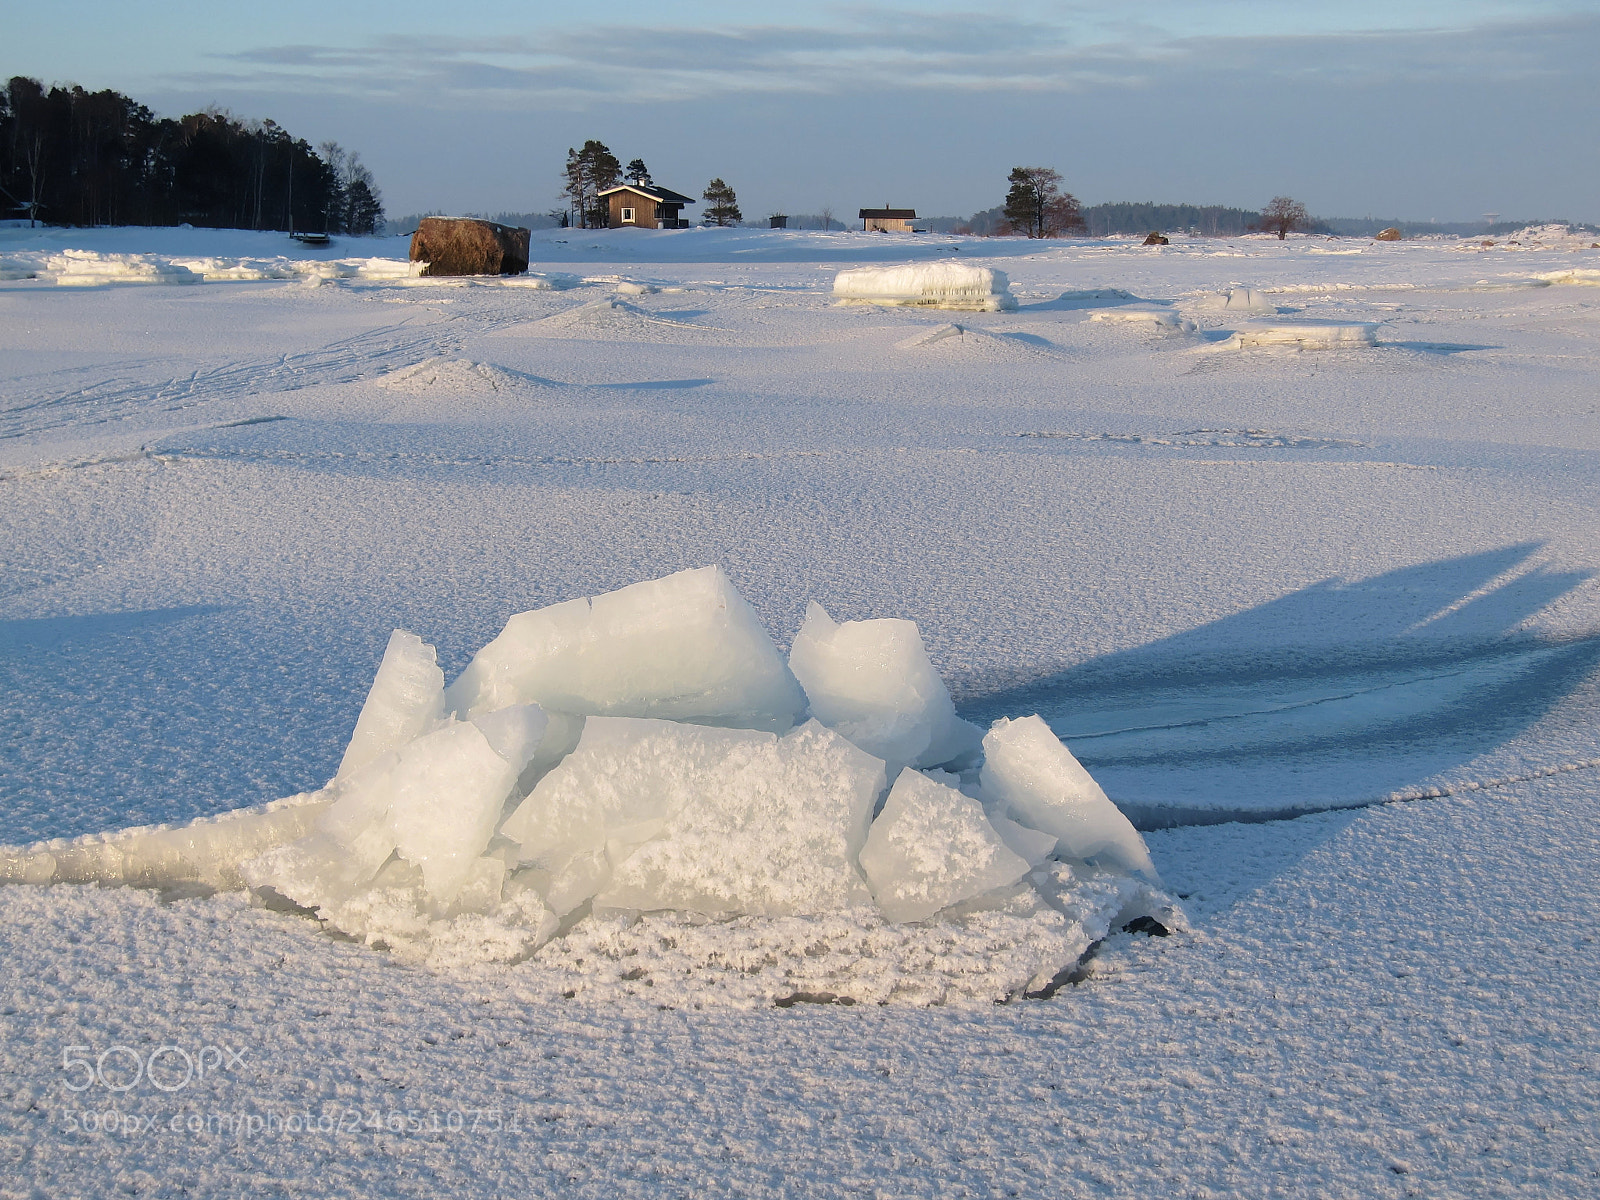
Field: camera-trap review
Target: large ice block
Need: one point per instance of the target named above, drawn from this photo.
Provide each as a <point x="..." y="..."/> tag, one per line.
<point x="873" y="682"/>
<point x="712" y="820"/>
<point x="406" y="700"/>
<point x="1028" y="774"/>
<point x="932" y="847"/>
<point x="963" y="286"/>
<point x="687" y="647"/>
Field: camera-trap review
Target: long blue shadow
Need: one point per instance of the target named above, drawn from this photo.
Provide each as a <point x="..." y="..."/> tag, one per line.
<point x="130" y="718"/>
<point x="1335" y="695"/>
<point x="53" y="631"/>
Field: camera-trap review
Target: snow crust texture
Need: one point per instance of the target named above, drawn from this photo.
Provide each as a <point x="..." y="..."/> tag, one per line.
<point x="1323" y="626"/>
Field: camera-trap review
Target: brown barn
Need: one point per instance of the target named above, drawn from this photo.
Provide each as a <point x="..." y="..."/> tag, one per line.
<point x="646" y="206"/>
<point x="888" y="220"/>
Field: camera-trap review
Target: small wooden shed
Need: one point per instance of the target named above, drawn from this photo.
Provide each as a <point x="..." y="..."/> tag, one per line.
<point x="645" y="206"/>
<point x="888" y="220"/>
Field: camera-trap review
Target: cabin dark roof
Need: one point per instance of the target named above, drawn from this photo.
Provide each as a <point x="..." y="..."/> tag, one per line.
<point x="902" y="214"/>
<point x="655" y="192"/>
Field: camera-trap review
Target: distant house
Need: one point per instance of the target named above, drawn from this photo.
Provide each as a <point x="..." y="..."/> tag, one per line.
<point x="646" y="206"/>
<point x="888" y="220"/>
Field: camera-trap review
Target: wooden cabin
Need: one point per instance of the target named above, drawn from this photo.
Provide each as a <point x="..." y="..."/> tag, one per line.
<point x="645" y="206"/>
<point x="888" y="220"/>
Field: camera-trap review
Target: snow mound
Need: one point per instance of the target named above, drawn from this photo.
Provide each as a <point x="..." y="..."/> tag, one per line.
<point x="932" y="285"/>
<point x="1092" y="298"/>
<point x="1238" y="299"/>
<point x="439" y="375"/>
<point x="941" y="343"/>
<point x="1583" y="276"/>
<point x="24" y="265"/>
<point x="1306" y="335"/>
<point x="632" y="792"/>
<point x="1551" y="235"/>
<point x="931" y="337"/>
<point x="611" y="317"/>
<point x="1161" y="318"/>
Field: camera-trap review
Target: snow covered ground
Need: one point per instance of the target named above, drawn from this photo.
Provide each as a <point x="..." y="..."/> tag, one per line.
<point x="1240" y="580"/>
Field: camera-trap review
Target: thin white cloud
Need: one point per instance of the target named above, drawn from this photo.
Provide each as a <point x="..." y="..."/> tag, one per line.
<point x="879" y="51"/>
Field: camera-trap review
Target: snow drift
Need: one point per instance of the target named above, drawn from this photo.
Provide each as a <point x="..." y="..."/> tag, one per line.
<point x="1161" y="318"/>
<point x="932" y="285"/>
<point x="1306" y="335"/>
<point x="647" y="760"/>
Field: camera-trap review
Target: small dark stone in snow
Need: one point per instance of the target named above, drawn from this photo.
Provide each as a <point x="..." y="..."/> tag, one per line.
<point x="813" y="998"/>
<point x="1147" y="925"/>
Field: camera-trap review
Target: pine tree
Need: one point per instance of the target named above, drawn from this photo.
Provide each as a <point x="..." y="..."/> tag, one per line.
<point x="722" y="206"/>
<point x="591" y="171"/>
<point x="639" y="173"/>
<point x="1036" y="205"/>
<point x="363" y="205"/>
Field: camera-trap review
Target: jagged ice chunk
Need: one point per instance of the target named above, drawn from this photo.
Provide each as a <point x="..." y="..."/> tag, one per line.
<point x="1028" y="774"/>
<point x="687" y="647"/>
<point x="659" y="815"/>
<point x="873" y="682"/>
<point x="405" y="700"/>
<point x="932" y="847"/>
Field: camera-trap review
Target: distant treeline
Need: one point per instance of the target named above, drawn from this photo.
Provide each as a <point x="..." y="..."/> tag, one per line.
<point x="71" y="157"/>
<point x="1208" y="220"/>
<point x="518" y="220"/>
<point x="1121" y="217"/>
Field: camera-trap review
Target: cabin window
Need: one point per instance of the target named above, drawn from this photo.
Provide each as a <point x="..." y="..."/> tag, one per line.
<point x="627" y="216"/>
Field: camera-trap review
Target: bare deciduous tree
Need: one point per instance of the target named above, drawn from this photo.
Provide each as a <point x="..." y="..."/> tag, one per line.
<point x="1283" y="215"/>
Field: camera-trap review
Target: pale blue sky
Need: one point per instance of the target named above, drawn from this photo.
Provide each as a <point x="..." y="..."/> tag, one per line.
<point x="1413" y="108"/>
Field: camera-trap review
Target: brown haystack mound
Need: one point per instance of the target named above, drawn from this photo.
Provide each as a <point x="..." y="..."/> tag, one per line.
<point x="1155" y="238"/>
<point x="1390" y="234"/>
<point x="464" y="246"/>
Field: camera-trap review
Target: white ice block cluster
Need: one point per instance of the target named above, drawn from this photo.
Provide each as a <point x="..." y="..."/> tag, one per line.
<point x="91" y="268"/>
<point x="932" y="285"/>
<point x="1238" y="300"/>
<point x="650" y="751"/>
